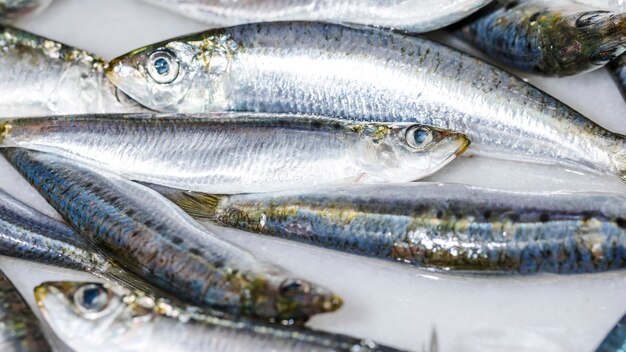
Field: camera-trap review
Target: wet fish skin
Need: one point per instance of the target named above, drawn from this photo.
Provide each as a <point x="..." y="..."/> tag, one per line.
<point x="433" y="225"/>
<point x="370" y="75"/>
<point x="610" y="5"/>
<point x="123" y="315"/>
<point x="615" y="341"/>
<point x="154" y="239"/>
<point x="240" y="152"/>
<point x="12" y="9"/>
<point x="556" y="37"/>
<point x="19" y="328"/>
<point x="42" y="77"/>
<point x="411" y="15"/>
<point x="617" y="68"/>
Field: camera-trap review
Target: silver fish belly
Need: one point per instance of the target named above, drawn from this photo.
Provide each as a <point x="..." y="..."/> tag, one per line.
<point x="41" y="77"/>
<point x="152" y="238"/>
<point x="410" y="15"/>
<point x="433" y="225"/>
<point x="373" y="75"/>
<point x="241" y="152"/>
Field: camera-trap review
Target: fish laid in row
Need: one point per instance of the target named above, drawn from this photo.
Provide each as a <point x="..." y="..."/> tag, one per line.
<point x="41" y="77"/>
<point x="438" y="226"/>
<point x="13" y="9"/>
<point x="19" y="328"/>
<point x="91" y="316"/>
<point x="241" y="152"/>
<point x="152" y="238"/>
<point x="551" y="37"/>
<point x="365" y="74"/>
<point x="409" y="15"/>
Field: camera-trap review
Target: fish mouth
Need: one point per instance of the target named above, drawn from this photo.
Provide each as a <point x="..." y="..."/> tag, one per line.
<point x="464" y="146"/>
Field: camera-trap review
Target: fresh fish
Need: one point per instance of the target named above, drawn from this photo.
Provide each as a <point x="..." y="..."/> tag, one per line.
<point x="154" y="239"/>
<point x="41" y="77"/>
<point x="410" y="15"/>
<point x="12" y="9"/>
<point x="617" y="68"/>
<point x="551" y="37"/>
<point x="19" y="329"/>
<point x="241" y="153"/>
<point x="366" y="74"/>
<point x="615" y="341"/>
<point x="434" y="225"/>
<point x="611" y="5"/>
<point x="89" y="316"/>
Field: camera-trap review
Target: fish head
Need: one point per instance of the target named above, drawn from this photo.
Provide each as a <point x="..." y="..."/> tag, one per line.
<point x="87" y="313"/>
<point x="181" y="75"/>
<point x="405" y="152"/>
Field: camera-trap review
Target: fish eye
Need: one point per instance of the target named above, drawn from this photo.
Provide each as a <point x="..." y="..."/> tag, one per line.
<point x="91" y="299"/>
<point x="291" y="287"/>
<point x="163" y="66"/>
<point x="418" y="137"/>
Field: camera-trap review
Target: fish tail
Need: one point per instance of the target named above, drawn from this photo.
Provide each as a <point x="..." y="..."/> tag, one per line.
<point x="199" y="205"/>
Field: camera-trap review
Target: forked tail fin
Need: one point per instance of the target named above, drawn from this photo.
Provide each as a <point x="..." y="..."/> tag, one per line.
<point x="199" y="205"/>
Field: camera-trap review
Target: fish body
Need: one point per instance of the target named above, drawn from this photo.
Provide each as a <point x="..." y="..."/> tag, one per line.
<point x="409" y="15"/>
<point x="610" y="5"/>
<point x="550" y="37"/>
<point x="241" y="152"/>
<point x="91" y="316"/>
<point x="41" y="77"/>
<point x="19" y="328"/>
<point x="13" y="9"/>
<point x="151" y="237"/>
<point x="367" y="75"/>
<point x="439" y="226"/>
<point x="615" y="341"/>
<point x="617" y="68"/>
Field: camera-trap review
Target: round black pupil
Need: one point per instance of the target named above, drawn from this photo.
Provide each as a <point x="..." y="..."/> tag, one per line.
<point x="162" y="66"/>
<point x="90" y="298"/>
<point x="420" y="136"/>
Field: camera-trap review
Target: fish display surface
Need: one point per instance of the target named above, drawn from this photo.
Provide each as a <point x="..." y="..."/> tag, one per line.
<point x="90" y="316"/>
<point x="12" y="9"/>
<point x="42" y="77"/>
<point x="366" y="74"/>
<point x="434" y="225"/>
<point x="149" y="236"/>
<point x="410" y="15"/>
<point x="551" y="37"/>
<point x="241" y="152"/>
<point x="19" y="328"/>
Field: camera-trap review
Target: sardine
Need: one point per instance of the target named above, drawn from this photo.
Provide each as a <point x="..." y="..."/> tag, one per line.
<point x="12" y="9"/>
<point x="151" y="237"/>
<point x="19" y="328"/>
<point x="550" y="37"/>
<point x="409" y="15"/>
<point x="615" y="341"/>
<point x="91" y="316"/>
<point x="241" y="153"/>
<point x="366" y="74"/>
<point x="433" y="225"/>
<point x="617" y="68"/>
<point x="41" y="77"/>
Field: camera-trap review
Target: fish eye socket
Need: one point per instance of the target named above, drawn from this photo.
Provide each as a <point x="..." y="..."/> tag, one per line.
<point x="163" y="66"/>
<point x="418" y="137"/>
<point x="291" y="287"/>
<point x="591" y="18"/>
<point x="91" y="299"/>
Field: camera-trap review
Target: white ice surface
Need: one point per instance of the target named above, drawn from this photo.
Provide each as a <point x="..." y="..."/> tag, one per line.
<point x="392" y="304"/>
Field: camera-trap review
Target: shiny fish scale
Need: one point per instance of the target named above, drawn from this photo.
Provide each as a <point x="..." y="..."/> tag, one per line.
<point x="442" y="226"/>
<point x="410" y="15"/>
<point x="330" y="70"/>
<point x="43" y="77"/>
<point x="617" y="68"/>
<point x="19" y="328"/>
<point x="152" y="238"/>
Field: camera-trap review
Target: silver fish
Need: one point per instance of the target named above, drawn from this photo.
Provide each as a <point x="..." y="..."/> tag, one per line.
<point x="617" y="69"/>
<point x="12" y="9"/>
<point x="89" y="316"/>
<point x="433" y="225"/>
<point x="154" y="239"/>
<point x="410" y="15"/>
<point x="19" y="328"/>
<point x="41" y="77"/>
<point x="610" y="5"/>
<point x="241" y="152"/>
<point x="366" y="74"/>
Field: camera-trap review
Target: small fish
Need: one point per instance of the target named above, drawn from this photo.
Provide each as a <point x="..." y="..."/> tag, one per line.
<point x="41" y="77"/>
<point x="434" y="225"/>
<point x="13" y="9"/>
<point x="19" y="328"/>
<point x="550" y="37"/>
<point x="95" y="317"/>
<point x="615" y="341"/>
<point x="617" y="68"/>
<point x="410" y="15"/>
<point x="151" y="237"/>
<point x="366" y="75"/>
<point x="241" y="152"/>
